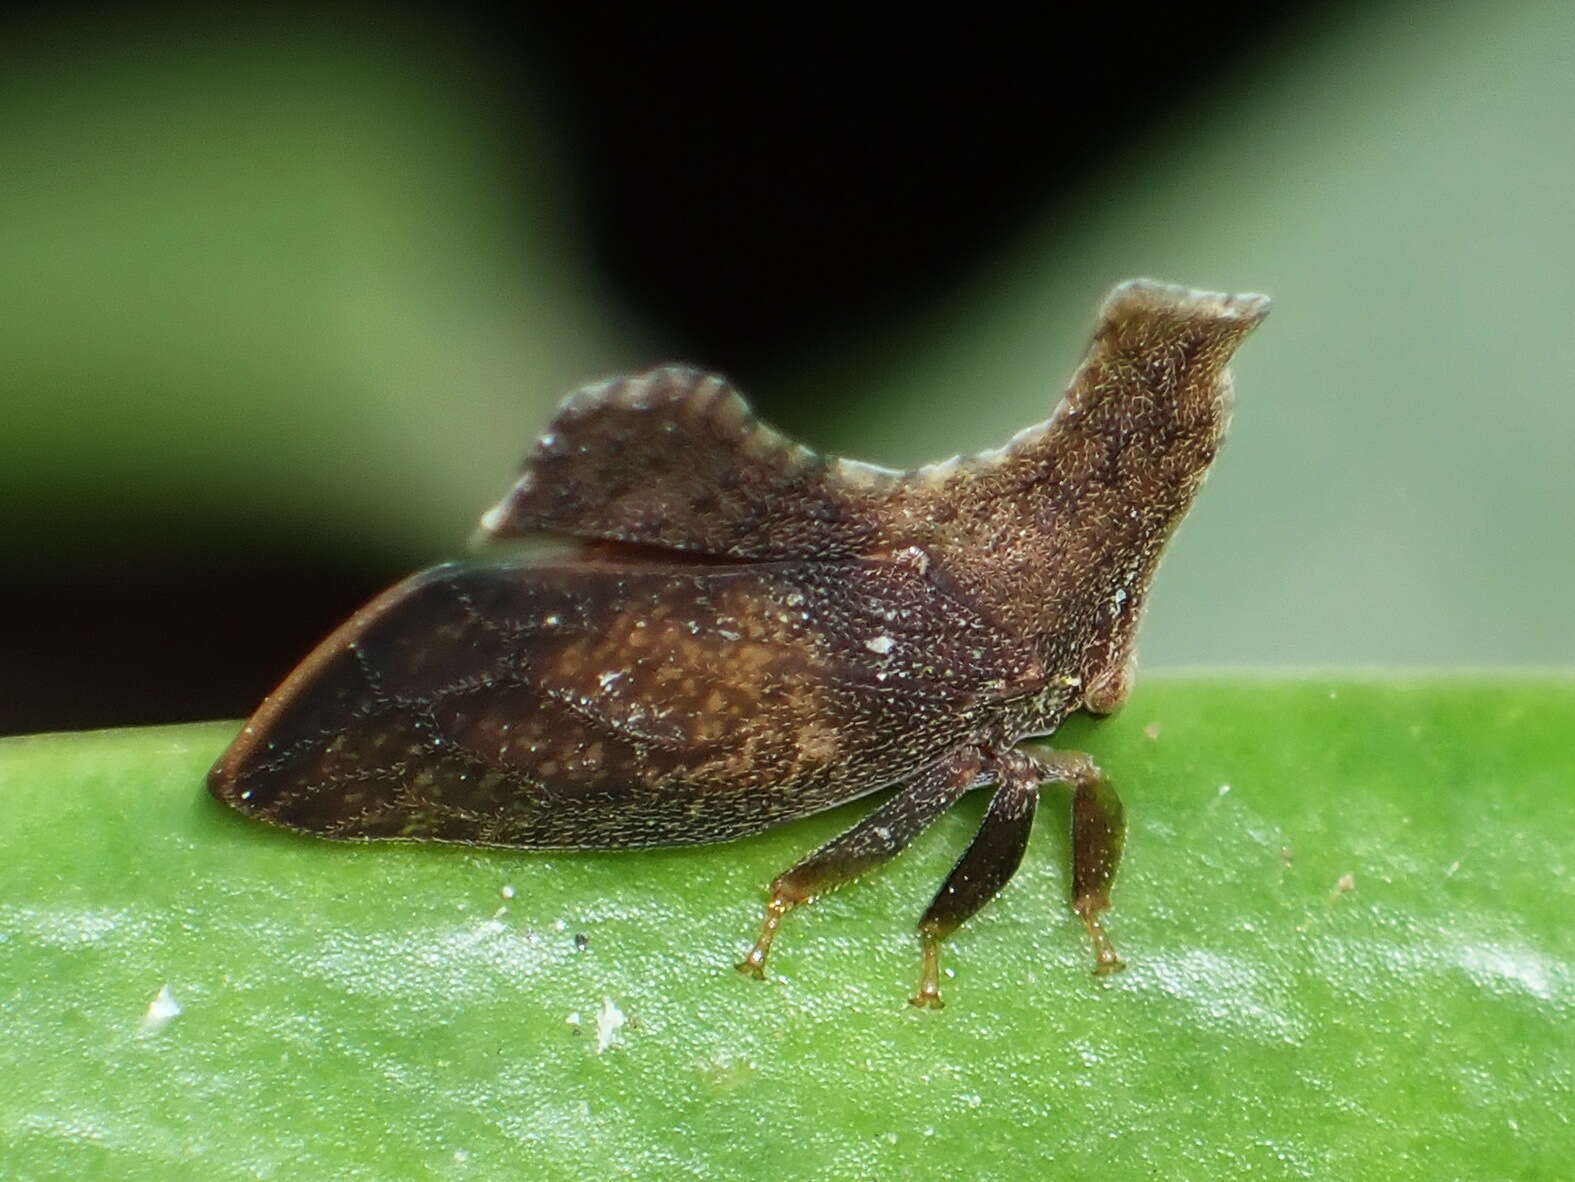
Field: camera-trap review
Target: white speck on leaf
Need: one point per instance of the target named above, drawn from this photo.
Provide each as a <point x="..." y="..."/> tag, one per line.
<point x="880" y="644"/>
<point x="609" y="1020"/>
<point x="161" y="1009"/>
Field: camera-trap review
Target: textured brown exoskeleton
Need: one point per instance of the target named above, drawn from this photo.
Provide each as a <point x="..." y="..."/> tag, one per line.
<point x="747" y="632"/>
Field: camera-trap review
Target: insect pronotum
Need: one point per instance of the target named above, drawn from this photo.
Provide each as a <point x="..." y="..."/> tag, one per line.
<point x="741" y="632"/>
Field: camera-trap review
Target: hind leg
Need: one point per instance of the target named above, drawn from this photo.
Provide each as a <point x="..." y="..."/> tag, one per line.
<point x="876" y="839"/>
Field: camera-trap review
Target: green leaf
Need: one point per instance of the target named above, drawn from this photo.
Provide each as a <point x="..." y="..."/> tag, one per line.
<point x="1346" y="911"/>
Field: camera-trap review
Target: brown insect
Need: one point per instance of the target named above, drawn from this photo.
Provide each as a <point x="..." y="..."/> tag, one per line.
<point x="742" y="632"/>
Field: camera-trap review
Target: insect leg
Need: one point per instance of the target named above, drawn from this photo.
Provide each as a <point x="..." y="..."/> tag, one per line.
<point x="877" y="838"/>
<point x="985" y="867"/>
<point x="1098" y="833"/>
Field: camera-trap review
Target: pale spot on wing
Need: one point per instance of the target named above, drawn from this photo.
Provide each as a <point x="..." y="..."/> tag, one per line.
<point x="818" y="743"/>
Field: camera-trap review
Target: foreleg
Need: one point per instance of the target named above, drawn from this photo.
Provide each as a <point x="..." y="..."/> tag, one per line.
<point x="1098" y="834"/>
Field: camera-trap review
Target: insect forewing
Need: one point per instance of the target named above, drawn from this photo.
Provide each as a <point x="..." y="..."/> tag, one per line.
<point x="599" y="705"/>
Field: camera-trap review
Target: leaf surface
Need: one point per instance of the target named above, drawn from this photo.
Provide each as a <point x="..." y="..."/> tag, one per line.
<point x="1346" y="910"/>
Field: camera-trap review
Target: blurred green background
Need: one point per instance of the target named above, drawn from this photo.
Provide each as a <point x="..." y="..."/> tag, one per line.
<point x="281" y="303"/>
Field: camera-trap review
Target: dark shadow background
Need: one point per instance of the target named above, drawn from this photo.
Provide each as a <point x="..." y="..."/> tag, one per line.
<point x="750" y="184"/>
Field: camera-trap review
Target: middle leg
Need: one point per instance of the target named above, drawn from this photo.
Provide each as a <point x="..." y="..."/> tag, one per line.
<point x="985" y="867"/>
